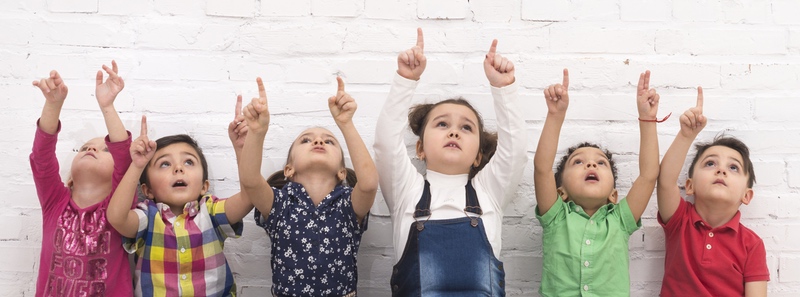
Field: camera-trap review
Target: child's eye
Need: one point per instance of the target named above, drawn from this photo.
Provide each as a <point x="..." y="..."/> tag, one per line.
<point x="441" y="124"/>
<point x="578" y="162"/>
<point x="105" y="149"/>
<point x="84" y="148"/>
<point x="164" y="164"/>
<point x="329" y="141"/>
<point x="305" y="140"/>
<point x="602" y="163"/>
<point x="188" y="163"/>
<point x="467" y="128"/>
<point x="709" y="163"/>
<point x="734" y="168"/>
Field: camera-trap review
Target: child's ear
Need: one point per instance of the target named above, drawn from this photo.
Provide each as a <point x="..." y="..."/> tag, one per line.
<point x="70" y="182"/>
<point x="342" y="174"/>
<point x="147" y="193"/>
<point x="689" y="187"/>
<point x="288" y="171"/>
<point x="748" y="196"/>
<point x="204" y="190"/>
<point x="563" y="193"/>
<point x="477" y="161"/>
<point x="613" y="197"/>
<point x="420" y="151"/>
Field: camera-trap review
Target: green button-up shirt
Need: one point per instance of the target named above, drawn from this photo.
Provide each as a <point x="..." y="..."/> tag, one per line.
<point x="583" y="255"/>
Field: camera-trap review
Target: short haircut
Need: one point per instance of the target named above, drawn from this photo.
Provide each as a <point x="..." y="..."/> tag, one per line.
<point x="732" y="143"/>
<point x="563" y="162"/>
<point x="173" y="139"/>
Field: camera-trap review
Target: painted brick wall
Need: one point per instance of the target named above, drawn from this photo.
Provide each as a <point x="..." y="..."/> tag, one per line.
<point x="185" y="61"/>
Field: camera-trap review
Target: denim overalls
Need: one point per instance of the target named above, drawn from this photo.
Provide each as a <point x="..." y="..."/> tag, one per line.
<point x="449" y="257"/>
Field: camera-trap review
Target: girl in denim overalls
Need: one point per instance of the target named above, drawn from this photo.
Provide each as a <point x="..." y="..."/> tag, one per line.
<point x="447" y="222"/>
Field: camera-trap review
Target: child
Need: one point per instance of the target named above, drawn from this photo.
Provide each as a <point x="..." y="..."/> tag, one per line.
<point x="178" y="233"/>
<point x="585" y="240"/>
<point x="709" y="253"/>
<point x="315" y="212"/>
<point x="447" y="223"/>
<point x="81" y="254"/>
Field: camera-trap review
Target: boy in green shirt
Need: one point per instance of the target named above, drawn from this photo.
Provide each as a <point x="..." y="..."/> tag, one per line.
<point x="585" y="241"/>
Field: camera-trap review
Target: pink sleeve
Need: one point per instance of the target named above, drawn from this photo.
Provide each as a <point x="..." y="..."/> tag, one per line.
<point x="755" y="269"/>
<point x="44" y="165"/>
<point x="121" y="152"/>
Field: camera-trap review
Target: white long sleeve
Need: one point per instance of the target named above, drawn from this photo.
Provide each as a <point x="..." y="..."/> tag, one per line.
<point x="402" y="186"/>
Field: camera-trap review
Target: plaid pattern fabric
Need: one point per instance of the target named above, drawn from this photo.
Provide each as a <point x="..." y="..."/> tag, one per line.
<point x="182" y="255"/>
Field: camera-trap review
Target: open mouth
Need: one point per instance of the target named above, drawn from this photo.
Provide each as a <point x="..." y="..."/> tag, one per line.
<point x="452" y="144"/>
<point x="591" y="177"/>
<point x="179" y="183"/>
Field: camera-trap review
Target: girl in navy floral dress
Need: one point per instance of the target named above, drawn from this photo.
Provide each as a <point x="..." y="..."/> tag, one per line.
<point x="313" y="210"/>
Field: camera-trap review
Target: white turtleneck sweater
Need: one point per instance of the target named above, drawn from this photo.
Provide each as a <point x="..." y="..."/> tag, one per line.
<point x="402" y="186"/>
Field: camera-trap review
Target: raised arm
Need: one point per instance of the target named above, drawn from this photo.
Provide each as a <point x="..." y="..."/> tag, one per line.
<point x="643" y="186"/>
<point x="238" y="205"/>
<point x="342" y="107"/>
<point x="105" y="93"/>
<point x="755" y="289"/>
<point x="668" y="193"/>
<point x="55" y="92"/>
<point x="544" y="181"/>
<point x="504" y="171"/>
<point x="119" y="213"/>
<point x="254" y="186"/>
<point x="395" y="169"/>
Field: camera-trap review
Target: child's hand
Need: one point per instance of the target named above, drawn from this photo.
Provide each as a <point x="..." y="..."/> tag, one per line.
<point x="411" y="63"/>
<point x="499" y="70"/>
<point x="53" y="87"/>
<point x="107" y="91"/>
<point x="646" y="98"/>
<point x="342" y="105"/>
<point x="237" y="129"/>
<point x="256" y="114"/>
<point x="693" y="120"/>
<point x="142" y="148"/>
<point x="557" y="96"/>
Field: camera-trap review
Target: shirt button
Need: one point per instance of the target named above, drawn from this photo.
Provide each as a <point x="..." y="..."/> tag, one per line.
<point x="586" y="263"/>
<point x="708" y="246"/>
<point x="183" y="250"/>
<point x="710" y="234"/>
<point x="577" y="208"/>
<point x="183" y="276"/>
<point x="178" y="224"/>
<point x="586" y="287"/>
<point x="588" y="242"/>
<point x="591" y="222"/>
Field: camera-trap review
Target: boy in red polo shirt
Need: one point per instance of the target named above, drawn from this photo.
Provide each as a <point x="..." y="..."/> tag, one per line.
<point x="709" y="253"/>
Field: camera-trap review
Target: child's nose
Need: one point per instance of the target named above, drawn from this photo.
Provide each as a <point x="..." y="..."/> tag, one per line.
<point x="454" y="134"/>
<point x="591" y="165"/>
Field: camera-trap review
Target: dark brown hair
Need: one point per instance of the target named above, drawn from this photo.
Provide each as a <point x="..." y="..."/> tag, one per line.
<point x="732" y="143"/>
<point x="418" y="118"/>
<point x="563" y="162"/>
<point x="173" y="139"/>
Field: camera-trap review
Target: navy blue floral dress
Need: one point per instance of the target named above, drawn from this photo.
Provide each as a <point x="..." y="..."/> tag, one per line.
<point x="314" y="248"/>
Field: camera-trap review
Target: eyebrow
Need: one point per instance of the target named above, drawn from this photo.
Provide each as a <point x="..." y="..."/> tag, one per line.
<point x="733" y="158"/>
<point x="309" y="134"/>
<point x="596" y="153"/>
<point x="448" y="115"/>
<point x="182" y="153"/>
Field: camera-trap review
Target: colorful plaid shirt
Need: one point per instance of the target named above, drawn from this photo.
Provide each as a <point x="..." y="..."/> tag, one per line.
<point x="182" y="255"/>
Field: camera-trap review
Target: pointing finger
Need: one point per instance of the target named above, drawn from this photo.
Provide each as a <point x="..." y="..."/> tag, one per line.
<point x="493" y="48"/>
<point x="340" y="83"/>
<point x="647" y="79"/>
<point x="144" y="126"/>
<point x="262" y="92"/>
<point x="114" y="67"/>
<point x="99" y="78"/>
<point x="565" y="81"/>
<point x="420" y="41"/>
<point x="238" y="107"/>
<point x="700" y="98"/>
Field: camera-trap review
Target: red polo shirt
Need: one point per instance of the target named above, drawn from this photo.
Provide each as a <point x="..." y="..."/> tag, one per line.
<point x="701" y="261"/>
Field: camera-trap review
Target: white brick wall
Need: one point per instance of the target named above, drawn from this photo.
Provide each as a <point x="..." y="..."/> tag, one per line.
<point x="185" y="61"/>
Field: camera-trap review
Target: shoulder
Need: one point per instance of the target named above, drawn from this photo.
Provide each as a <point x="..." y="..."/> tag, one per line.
<point x="749" y="237"/>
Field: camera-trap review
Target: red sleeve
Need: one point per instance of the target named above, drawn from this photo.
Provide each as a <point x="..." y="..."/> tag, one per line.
<point x="676" y="218"/>
<point x="44" y="165"/>
<point x="755" y="269"/>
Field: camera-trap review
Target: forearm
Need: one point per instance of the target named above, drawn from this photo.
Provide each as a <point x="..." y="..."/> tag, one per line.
<point x="363" y="165"/>
<point x="116" y="130"/>
<point x="648" y="151"/>
<point x="48" y="121"/>
<point x="119" y="212"/>
<point x="255" y="190"/>
<point x="543" y="180"/>
<point x="673" y="160"/>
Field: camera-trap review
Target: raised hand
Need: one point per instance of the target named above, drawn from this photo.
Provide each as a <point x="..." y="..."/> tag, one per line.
<point x="693" y="120"/>
<point x="499" y="70"/>
<point x="342" y="105"/>
<point x="411" y="63"/>
<point x="142" y="148"/>
<point x="53" y="87"/>
<point x="646" y="98"/>
<point x="557" y="96"/>
<point x="237" y="129"/>
<point x="107" y="91"/>
<point x="256" y="114"/>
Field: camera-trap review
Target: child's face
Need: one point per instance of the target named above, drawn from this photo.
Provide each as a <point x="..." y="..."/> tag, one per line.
<point x="315" y="149"/>
<point x="451" y="140"/>
<point x="93" y="158"/>
<point x="719" y="176"/>
<point x="175" y="176"/>
<point x="588" y="179"/>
